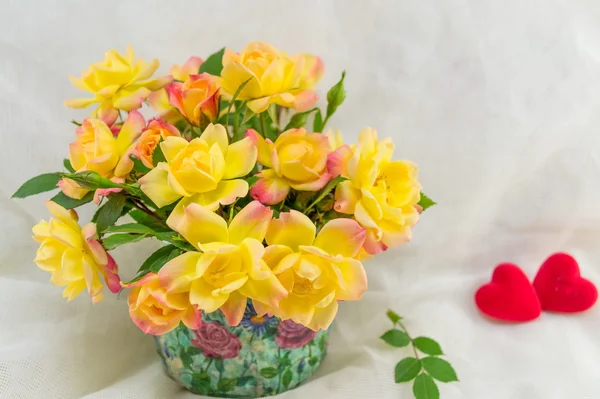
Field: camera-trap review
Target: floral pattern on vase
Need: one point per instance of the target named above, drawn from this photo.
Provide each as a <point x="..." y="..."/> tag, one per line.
<point x="260" y="357"/>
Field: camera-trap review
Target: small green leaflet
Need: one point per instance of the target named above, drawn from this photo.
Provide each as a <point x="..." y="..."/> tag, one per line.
<point x="325" y="190"/>
<point x="147" y="220"/>
<point x="116" y="240"/>
<point x="130" y="228"/>
<point x="157" y="155"/>
<point x="70" y="203"/>
<point x="428" y="346"/>
<point x="242" y="381"/>
<point x="268" y="372"/>
<point x="39" y="184"/>
<point x="226" y="384"/>
<point x="236" y="94"/>
<point x="406" y="369"/>
<point x="286" y="378"/>
<point x="213" y="64"/>
<point x="426" y="202"/>
<point x="175" y="239"/>
<point x="424" y="387"/>
<point x="393" y="316"/>
<point x="439" y="369"/>
<point x="138" y="165"/>
<point x="159" y="258"/>
<point x="318" y="122"/>
<point x="108" y="213"/>
<point x="396" y="338"/>
<point x="299" y="119"/>
<point x="68" y="166"/>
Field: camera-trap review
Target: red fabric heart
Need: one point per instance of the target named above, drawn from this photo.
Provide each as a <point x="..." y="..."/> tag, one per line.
<point x="509" y="296"/>
<point x="561" y="288"/>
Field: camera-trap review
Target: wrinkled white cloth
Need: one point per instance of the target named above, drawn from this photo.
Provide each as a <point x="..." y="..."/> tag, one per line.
<point x="497" y="101"/>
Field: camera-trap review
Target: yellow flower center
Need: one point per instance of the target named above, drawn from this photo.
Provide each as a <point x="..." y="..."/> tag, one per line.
<point x="258" y="320"/>
<point x="303" y="286"/>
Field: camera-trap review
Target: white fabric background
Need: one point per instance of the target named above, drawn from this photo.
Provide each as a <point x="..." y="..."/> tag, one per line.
<point x="497" y="101"/>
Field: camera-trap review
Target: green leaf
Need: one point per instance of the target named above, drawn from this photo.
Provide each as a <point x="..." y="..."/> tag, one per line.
<point x="252" y="180"/>
<point x="213" y="64"/>
<point x="322" y="343"/>
<point x="226" y="384"/>
<point x="286" y="378"/>
<point x="406" y="369"/>
<point x="116" y="240"/>
<point x="108" y="213"/>
<point x="147" y="220"/>
<point x="157" y="155"/>
<point x="70" y="203"/>
<point x="428" y="346"/>
<point x="426" y="202"/>
<point x="284" y="362"/>
<point x="318" y="122"/>
<point x="313" y="360"/>
<point x="175" y="239"/>
<point x="159" y="257"/>
<point x="130" y="228"/>
<point x="268" y="372"/>
<point x="138" y="165"/>
<point x="39" y="184"/>
<point x="326" y="190"/>
<point x="242" y="381"/>
<point x="236" y="94"/>
<point x="424" y="387"/>
<point x="269" y="333"/>
<point x="299" y="119"/>
<point x="396" y="338"/>
<point x="92" y="180"/>
<point x="393" y="316"/>
<point x="68" y="166"/>
<point x="439" y="369"/>
<point x="336" y="96"/>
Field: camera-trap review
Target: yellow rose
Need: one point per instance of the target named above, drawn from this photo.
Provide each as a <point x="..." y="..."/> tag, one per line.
<point x="205" y="170"/>
<point x="273" y="77"/>
<point x="97" y="149"/>
<point x="118" y="82"/>
<point x="317" y="270"/>
<point x="297" y="160"/>
<point x="229" y="270"/>
<point x="381" y="194"/>
<point x="73" y="256"/>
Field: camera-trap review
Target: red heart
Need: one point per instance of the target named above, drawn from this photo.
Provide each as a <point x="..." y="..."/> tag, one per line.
<point x="561" y="288"/>
<point x="510" y="296"/>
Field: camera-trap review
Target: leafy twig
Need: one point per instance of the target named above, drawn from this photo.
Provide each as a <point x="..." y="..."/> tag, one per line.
<point x="422" y="371"/>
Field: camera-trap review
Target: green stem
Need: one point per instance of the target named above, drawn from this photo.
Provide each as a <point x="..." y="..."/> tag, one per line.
<point x="208" y="365"/>
<point x="280" y="373"/>
<point x="412" y="342"/>
<point x="262" y="124"/>
<point x="324" y="123"/>
<point x="147" y="211"/>
<point x="235" y="122"/>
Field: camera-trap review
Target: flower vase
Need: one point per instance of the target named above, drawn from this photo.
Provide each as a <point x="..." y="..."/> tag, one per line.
<point x="262" y="356"/>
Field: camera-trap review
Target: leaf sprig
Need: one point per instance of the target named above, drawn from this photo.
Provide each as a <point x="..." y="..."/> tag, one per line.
<point x="423" y="371"/>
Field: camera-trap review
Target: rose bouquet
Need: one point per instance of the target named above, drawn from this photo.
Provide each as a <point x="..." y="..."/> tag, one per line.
<point x="264" y="221"/>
